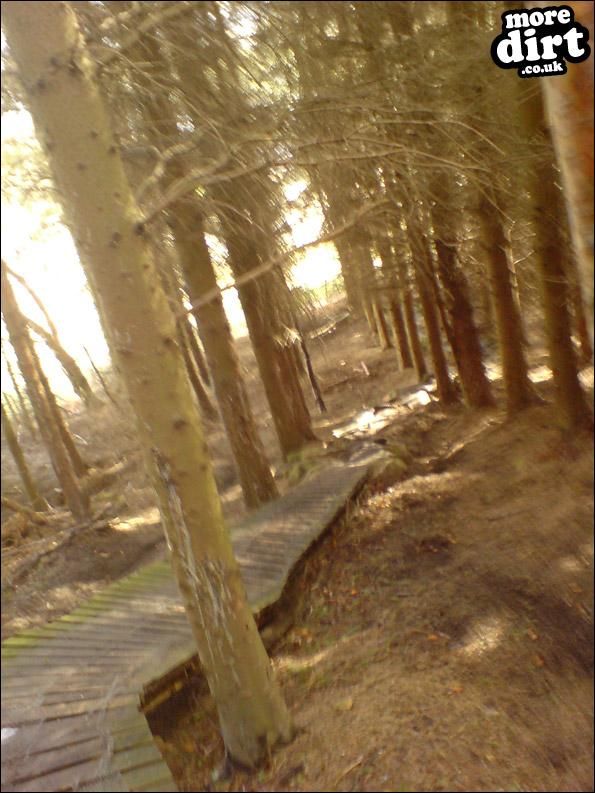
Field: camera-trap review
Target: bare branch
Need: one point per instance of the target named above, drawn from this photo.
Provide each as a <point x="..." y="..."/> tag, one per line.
<point x="167" y="13"/>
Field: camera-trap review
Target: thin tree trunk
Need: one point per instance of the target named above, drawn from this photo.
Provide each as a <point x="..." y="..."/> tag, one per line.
<point x="72" y="370"/>
<point x="425" y="280"/>
<point x="444" y="385"/>
<point x="398" y="322"/>
<point x="311" y="374"/>
<point x="367" y="279"/>
<point x="172" y="290"/>
<point x="101" y="379"/>
<point x="206" y="405"/>
<point x="37" y="501"/>
<point x="416" y="348"/>
<point x="79" y="465"/>
<point x="197" y="353"/>
<point x="392" y="277"/>
<point x="381" y="326"/>
<point x="25" y="413"/>
<point x="11" y="409"/>
<point x="252" y="714"/>
<point x="76" y="499"/>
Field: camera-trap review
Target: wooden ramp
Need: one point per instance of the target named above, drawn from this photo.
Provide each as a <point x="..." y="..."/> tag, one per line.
<point x="70" y="690"/>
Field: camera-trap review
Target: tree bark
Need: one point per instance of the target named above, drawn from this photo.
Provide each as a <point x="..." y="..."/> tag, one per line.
<point x="99" y="206"/>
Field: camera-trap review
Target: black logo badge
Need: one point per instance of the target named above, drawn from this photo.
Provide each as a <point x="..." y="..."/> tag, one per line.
<point x="539" y="41"/>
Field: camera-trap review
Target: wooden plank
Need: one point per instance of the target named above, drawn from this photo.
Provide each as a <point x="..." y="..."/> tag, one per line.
<point x="136" y="763"/>
<point x="41" y="713"/>
<point x="88" y="666"/>
<point x="31" y="739"/>
<point x="92" y="749"/>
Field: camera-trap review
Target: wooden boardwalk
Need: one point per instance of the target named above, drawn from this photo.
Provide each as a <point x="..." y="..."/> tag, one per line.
<point x="70" y="690"/>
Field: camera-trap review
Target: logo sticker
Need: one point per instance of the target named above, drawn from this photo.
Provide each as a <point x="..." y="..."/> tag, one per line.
<point x="538" y="41"/>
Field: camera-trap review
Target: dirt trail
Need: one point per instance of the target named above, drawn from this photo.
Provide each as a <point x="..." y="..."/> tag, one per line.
<point x="444" y="637"/>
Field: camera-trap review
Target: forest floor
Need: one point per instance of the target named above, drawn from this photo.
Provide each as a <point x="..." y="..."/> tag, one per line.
<point x="441" y="632"/>
<point x="48" y="570"/>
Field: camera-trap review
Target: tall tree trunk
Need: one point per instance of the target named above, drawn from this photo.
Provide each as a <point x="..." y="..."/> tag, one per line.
<point x="465" y="339"/>
<point x="517" y="385"/>
<point x="101" y="210"/>
<point x="254" y="472"/>
<point x="288" y="408"/>
<point x="569" y="100"/>
<point x="37" y="502"/>
<point x="573" y="410"/>
<point x="286" y="401"/>
<point x="76" y="500"/>
<point x="367" y="277"/>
